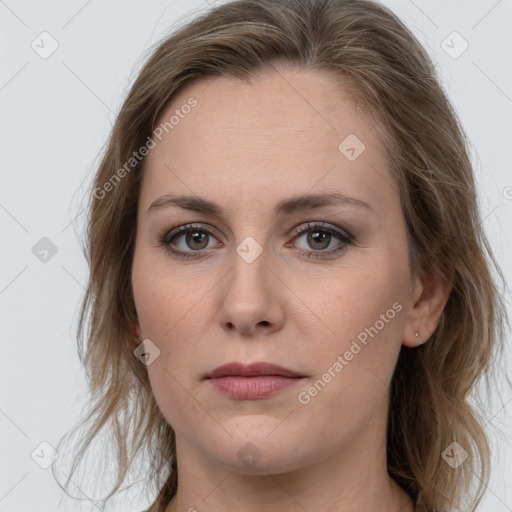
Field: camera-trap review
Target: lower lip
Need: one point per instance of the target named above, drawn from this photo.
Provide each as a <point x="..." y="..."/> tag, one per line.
<point x="253" y="388"/>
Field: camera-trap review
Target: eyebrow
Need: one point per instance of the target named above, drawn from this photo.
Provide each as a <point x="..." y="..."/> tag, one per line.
<point x="294" y="204"/>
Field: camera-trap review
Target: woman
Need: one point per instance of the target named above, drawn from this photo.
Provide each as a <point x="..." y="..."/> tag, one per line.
<point x="290" y="291"/>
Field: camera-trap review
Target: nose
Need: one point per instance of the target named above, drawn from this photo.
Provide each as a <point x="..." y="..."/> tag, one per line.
<point x="251" y="299"/>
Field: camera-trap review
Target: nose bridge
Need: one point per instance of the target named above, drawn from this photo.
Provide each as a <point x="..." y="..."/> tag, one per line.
<point x="250" y="294"/>
<point x="252" y="249"/>
<point x="250" y="266"/>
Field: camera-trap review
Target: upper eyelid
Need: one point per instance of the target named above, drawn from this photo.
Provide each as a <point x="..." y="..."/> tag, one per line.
<point x="321" y="226"/>
<point x="298" y="230"/>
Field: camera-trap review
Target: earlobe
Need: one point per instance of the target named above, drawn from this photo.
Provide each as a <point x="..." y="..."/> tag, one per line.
<point x="136" y="337"/>
<point x="413" y="339"/>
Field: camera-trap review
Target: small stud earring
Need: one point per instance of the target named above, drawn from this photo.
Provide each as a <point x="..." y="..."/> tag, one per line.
<point x="417" y="335"/>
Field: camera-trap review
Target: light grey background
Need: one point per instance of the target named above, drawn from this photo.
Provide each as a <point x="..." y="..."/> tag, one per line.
<point x="56" y="113"/>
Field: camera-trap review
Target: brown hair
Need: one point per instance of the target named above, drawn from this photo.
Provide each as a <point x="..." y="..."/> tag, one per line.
<point x="365" y="44"/>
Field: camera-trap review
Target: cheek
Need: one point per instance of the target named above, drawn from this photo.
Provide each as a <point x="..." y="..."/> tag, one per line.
<point x="363" y="310"/>
<point x="165" y="315"/>
<point x="159" y="299"/>
<point x="355" y="298"/>
<point x="355" y="366"/>
<point x="168" y="309"/>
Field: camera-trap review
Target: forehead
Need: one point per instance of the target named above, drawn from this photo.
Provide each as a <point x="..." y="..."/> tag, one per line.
<point x="286" y="130"/>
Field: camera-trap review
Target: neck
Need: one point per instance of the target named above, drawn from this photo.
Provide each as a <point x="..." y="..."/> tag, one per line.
<point x="359" y="486"/>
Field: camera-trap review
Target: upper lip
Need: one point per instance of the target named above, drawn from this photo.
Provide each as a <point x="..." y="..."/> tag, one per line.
<point x="251" y="370"/>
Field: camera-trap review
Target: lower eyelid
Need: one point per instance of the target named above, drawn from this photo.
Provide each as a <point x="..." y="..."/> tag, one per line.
<point x="339" y="248"/>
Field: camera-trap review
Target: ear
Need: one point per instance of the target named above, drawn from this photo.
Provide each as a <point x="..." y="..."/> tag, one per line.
<point x="425" y="307"/>
<point x="136" y="335"/>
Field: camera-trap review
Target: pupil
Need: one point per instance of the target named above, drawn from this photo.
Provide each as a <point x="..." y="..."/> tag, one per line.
<point x="317" y="237"/>
<point x="196" y="237"/>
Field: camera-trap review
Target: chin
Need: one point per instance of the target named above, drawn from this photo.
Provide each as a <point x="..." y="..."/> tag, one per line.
<point x="260" y="455"/>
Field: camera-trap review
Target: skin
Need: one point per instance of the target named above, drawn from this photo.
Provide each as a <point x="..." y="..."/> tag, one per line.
<point x="247" y="147"/>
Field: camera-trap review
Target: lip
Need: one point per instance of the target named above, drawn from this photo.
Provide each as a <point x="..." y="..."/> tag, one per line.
<point x="252" y="382"/>
<point x="252" y="388"/>
<point x="252" y="370"/>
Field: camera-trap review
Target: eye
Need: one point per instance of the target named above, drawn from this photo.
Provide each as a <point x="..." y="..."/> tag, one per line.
<point x="197" y="238"/>
<point x="319" y="237"/>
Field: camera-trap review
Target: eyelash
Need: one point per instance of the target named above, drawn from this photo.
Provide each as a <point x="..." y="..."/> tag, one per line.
<point x="169" y="237"/>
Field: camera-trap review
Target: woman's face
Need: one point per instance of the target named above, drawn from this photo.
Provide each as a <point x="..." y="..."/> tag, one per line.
<point x="329" y="303"/>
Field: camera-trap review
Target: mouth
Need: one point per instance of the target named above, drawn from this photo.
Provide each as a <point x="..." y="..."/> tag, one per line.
<point x="254" y="381"/>
<point x="252" y="370"/>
